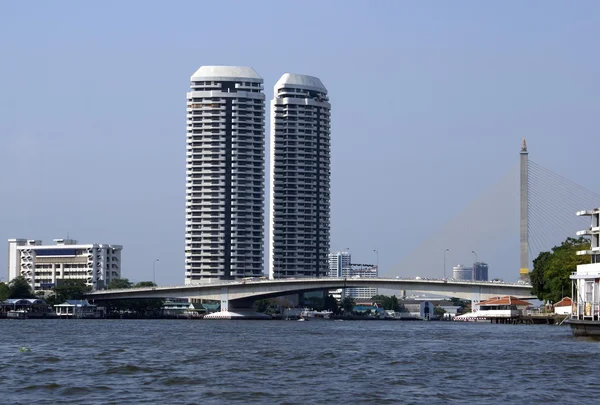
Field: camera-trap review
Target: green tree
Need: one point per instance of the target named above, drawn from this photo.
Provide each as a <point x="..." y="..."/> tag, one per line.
<point x="316" y="303"/>
<point x="551" y="270"/>
<point x="20" y="288"/>
<point x="439" y="311"/>
<point x="145" y="284"/>
<point x="330" y="304"/>
<point x="262" y="305"/>
<point x="70" y="290"/>
<point x="117" y="283"/>
<point x="4" y="292"/>
<point x="143" y="307"/>
<point x="387" y="302"/>
<point x="348" y="304"/>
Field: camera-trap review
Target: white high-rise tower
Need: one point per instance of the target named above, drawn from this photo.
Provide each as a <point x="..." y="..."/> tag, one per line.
<point x="225" y="165"/>
<point x="300" y="178"/>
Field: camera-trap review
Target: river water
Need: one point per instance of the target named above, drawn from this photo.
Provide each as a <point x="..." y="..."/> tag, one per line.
<point x="287" y="362"/>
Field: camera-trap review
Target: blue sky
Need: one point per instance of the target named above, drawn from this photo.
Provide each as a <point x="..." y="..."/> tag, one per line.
<point x="429" y="105"/>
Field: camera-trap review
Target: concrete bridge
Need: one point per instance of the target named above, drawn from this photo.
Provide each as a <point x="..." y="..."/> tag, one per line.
<point x="241" y="294"/>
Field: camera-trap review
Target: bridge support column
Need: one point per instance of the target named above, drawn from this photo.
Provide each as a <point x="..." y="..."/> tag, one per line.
<point x="236" y="309"/>
<point x="475" y="298"/>
<point x="224" y="299"/>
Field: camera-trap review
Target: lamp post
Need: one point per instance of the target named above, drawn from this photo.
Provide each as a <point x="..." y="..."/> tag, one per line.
<point x="445" y="251"/>
<point x="474" y="264"/>
<point x="154" y="271"/>
<point x="377" y="265"/>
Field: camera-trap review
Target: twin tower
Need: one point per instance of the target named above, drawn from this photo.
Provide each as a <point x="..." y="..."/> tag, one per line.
<point x="225" y="176"/>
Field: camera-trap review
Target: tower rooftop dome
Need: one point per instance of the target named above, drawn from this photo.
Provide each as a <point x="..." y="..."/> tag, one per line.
<point x="225" y="72"/>
<point x="305" y="81"/>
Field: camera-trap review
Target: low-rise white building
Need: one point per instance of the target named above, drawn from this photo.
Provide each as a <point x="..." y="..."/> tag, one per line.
<point x="564" y="306"/>
<point x="586" y="284"/>
<point x="502" y="307"/>
<point x="78" y="309"/>
<point x="43" y="266"/>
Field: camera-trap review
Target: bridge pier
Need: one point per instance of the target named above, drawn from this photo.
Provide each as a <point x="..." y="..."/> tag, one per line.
<point x="236" y="309"/>
<point x="475" y="298"/>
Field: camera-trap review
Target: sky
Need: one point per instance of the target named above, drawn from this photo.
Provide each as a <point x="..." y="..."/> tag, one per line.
<point x="430" y="101"/>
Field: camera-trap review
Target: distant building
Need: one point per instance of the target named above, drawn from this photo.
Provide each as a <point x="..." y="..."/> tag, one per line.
<point x="419" y="309"/>
<point x="43" y="266"/>
<point x="479" y="272"/>
<point x="462" y="273"/>
<point x="340" y="266"/>
<point x="338" y="261"/>
<point x="361" y="271"/>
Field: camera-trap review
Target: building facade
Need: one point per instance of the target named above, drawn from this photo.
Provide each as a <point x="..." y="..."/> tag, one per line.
<point x="586" y="281"/>
<point x="478" y="272"/>
<point x="462" y="273"/>
<point x="299" y="178"/>
<point x="44" y="266"/>
<point x="225" y="168"/>
<point x="338" y="261"/>
<point x="361" y="271"/>
<point x="340" y="266"/>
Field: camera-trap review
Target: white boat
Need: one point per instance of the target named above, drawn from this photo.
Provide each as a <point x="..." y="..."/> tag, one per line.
<point x="314" y="315"/>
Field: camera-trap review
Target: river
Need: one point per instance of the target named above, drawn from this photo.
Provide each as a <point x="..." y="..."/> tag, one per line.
<point x="120" y="362"/>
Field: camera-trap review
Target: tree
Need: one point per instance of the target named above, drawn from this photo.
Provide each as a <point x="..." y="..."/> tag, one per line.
<point x="439" y="311"/>
<point x="330" y="304"/>
<point x="387" y="302"/>
<point x="551" y="270"/>
<point x="262" y="305"/>
<point x="70" y="290"/>
<point x="20" y="288"/>
<point x="4" y="292"/>
<point x="348" y="304"/>
<point x="142" y="306"/>
<point x="145" y="284"/>
<point x="117" y="283"/>
<point x="316" y="303"/>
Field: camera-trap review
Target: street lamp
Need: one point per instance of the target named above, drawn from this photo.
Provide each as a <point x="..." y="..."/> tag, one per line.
<point x="445" y="251"/>
<point x="375" y="250"/>
<point x="474" y="264"/>
<point x="154" y="271"/>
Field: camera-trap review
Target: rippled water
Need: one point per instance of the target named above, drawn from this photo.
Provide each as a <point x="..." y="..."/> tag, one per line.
<point x="286" y="362"/>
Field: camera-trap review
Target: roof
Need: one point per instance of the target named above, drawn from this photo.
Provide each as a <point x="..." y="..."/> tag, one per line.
<point x="225" y="72"/>
<point x="75" y="303"/>
<point x="565" y="302"/>
<point x="23" y="301"/>
<point x="305" y="81"/>
<point x="506" y="300"/>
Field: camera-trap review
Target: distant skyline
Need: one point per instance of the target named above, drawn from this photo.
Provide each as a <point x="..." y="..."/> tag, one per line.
<point x="430" y="103"/>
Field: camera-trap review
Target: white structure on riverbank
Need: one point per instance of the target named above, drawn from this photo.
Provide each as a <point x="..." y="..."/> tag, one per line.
<point x="43" y="266"/>
<point x="586" y="285"/>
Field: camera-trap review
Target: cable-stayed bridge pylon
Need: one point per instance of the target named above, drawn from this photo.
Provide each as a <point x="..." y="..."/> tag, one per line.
<point x="530" y="201"/>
